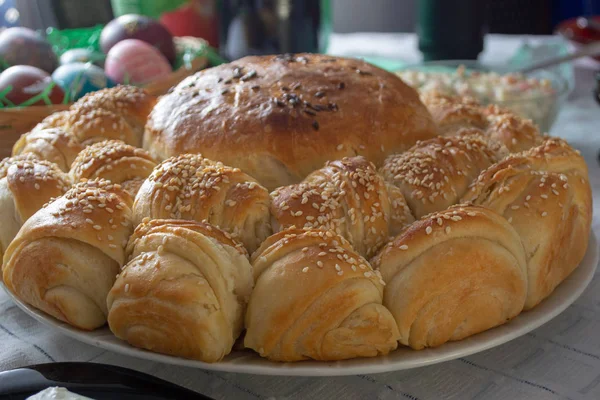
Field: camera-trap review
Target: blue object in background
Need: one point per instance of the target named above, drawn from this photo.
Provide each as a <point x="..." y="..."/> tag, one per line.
<point x="82" y="55"/>
<point x="77" y="79"/>
<point x="565" y="9"/>
<point x="9" y="15"/>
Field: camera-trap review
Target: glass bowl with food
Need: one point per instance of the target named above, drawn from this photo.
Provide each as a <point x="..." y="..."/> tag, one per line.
<point x="538" y="95"/>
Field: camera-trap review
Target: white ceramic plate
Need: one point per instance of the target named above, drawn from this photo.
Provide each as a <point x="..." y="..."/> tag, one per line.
<point x="403" y="358"/>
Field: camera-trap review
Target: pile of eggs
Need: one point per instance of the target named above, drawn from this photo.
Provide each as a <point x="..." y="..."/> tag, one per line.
<point x="136" y="50"/>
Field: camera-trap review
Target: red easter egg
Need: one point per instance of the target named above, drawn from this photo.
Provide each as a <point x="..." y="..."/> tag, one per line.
<point x="133" y="61"/>
<point x="26" y="82"/>
<point x="23" y="46"/>
<point x="133" y="26"/>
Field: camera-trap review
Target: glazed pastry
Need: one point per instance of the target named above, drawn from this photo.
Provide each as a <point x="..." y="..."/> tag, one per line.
<point x="347" y="197"/>
<point x="26" y="184"/>
<point x="183" y="292"/>
<point x="545" y="194"/>
<point x="192" y="187"/>
<point x="316" y="298"/>
<point x="453" y="274"/>
<point x="65" y="258"/>
<point x="116" y="161"/>
<point x="52" y="144"/>
<point x="436" y="173"/>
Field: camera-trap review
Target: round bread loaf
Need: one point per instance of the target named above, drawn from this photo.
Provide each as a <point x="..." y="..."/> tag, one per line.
<point x="278" y="118"/>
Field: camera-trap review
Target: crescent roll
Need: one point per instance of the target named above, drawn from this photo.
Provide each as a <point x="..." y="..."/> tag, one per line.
<point x="52" y="144"/>
<point x="315" y="297"/>
<point x="348" y="197"/>
<point x="192" y="187"/>
<point x="545" y="194"/>
<point x="26" y="184"/>
<point x="65" y="258"/>
<point x="436" y="173"/>
<point x="115" y="161"/>
<point x="183" y="292"/>
<point x="453" y="274"/>
<point x="454" y="113"/>
<point x="115" y="113"/>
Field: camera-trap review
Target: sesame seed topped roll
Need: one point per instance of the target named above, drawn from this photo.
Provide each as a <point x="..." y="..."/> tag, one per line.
<point x="453" y="274"/>
<point x="115" y="161"/>
<point x="545" y="194"/>
<point x="115" y="113"/>
<point x="316" y="298"/>
<point x="436" y="173"/>
<point x="52" y="144"/>
<point x="454" y="113"/>
<point x="65" y="258"/>
<point x="26" y="184"/>
<point x="192" y="187"/>
<point x="348" y="197"/>
<point x="183" y="292"/>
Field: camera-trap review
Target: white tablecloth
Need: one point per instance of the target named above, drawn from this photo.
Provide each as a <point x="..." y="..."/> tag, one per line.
<point x="560" y="360"/>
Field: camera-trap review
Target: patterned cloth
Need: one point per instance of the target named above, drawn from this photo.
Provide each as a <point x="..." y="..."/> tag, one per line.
<point x="560" y="360"/>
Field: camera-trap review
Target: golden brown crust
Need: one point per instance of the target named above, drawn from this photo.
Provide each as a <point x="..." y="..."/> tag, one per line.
<point x="115" y="161"/>
<point x="328" y="300"/>
<point x="279" y="118"/>
<point x="183" y="292"/>
<point x="192" y="187"/>
<point x="452" y="274"/>
<point x="52" y="144"/>
<point x="65" y="257"/>
<point x="545" y="194"/>
<point x="436" y="173"/>
<point x="454" y="113"/>
<point x="347" y="197"/>
<point x="26" y="184"/>
<point x="115" y="113"/>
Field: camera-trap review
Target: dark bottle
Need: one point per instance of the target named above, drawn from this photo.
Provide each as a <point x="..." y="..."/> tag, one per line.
<point x="255" y="27"/>
<point x="451" y="30"/>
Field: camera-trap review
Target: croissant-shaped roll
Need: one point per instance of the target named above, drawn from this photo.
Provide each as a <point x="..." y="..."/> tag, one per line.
<point x="453" y="274"/>
<point x="65" y="258"/>
<point x="436" y="173"/>
<point x="454" y="113"/>
<point x="184" y="291"/>
<point x="545" y="194"/>
<point x="115" y="161"/>
<point x="115" y="113"/>
<point x="52" y="144"/>
<point x="26" y="184"/>
<point x="54" y="120"/>
<point x="348" y="197"/>
<point x="316" y="298"/>
<point x="192" y="187"/>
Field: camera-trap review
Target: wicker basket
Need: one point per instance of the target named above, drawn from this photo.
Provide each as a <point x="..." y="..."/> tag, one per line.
<point x="16" y="121"/>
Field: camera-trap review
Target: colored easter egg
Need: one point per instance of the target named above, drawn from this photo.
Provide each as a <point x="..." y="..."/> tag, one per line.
<point x="133" y="26"/>
<point x="77" y="79"/>
<point x="22" y="83"/>
<point x="23" y="46"/>
<point x="82" y="56"/>
<point x="132" y="61"/>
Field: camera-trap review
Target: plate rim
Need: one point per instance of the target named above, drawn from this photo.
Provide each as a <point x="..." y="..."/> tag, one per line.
<point x="580" y="278"/>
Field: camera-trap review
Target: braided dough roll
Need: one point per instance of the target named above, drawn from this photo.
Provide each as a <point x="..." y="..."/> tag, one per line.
<point x="545" y="194"/>
<point x="115" y="161"/>
<point x="454" y="113"/>
<point x="347" y="197"/>
<point x="436" y="173"/>
<point x="65" y="258"/>
<point x="26" y="184"/>
<point x="52" y="144"/>
<point x="453" y="274"/>
<point x="316" y="298"/>
<point x="183" y="292"/>
<point x="192" y="187"/>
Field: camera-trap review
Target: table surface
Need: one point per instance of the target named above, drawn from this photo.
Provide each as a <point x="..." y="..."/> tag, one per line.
<point x="560" y="360"/>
